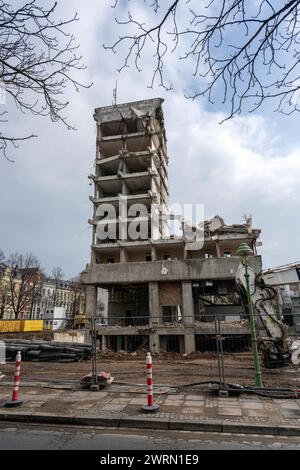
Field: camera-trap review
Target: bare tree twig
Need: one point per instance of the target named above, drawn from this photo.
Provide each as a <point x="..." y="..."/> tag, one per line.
<point x="240" y="53"/>
<point x="38" y="60"/>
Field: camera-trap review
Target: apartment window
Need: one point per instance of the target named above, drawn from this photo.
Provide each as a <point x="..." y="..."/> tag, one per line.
<point x="148" y="257"/>
<point x="111" y="260"/>
<point x="208" y="255"/>
<point x="227" y="254"/>
<point x="167" y="256"/>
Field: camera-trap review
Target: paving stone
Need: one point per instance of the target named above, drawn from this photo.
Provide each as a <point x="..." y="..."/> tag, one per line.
<point x="228" y="401"/>
<point x="138" y="401"/>
<point x="290" y="406"/>
<point x="19" y="410"/>
<point x="82" y="396"/>
<point x="199" y="397"/>
<point x="45" y="398"/>
<point x="251" y="398"/>
<point x="49" y="414"/>
<point x="171" y="403"/>
<point x="120" y="400"/>
<point x="36" y="404"/>
<point x="229" y="411"/>
<point x="252" y="406"/>
<point x="193" y="410"/>
<point x="285" y="401"/>
<point x="175" y="397"/>
<point x="193" y="403"/>
<point x="294" y="414"/>
<point x="83" y="406"/>
<point x="110" y="407"/>
<point x="261" y="413"/>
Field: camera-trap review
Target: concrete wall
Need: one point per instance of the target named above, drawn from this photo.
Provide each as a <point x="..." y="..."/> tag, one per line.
<point x="70" y="337"/>
<point x="170" y="293"/>
<point x="215" y="268"/>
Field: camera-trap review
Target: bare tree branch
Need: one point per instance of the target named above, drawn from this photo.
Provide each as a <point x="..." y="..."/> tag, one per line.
<point x="240" y="53"/>
<point x="57" y="275"/>
<point x="38" y="60"/>
<point x="25" y="282"/>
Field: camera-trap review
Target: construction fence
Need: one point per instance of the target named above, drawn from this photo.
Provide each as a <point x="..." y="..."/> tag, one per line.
<point x="185" y="350"/>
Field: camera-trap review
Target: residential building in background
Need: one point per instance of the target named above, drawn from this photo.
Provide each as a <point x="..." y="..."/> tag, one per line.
<point x="27" y="294"/>
<point x="59" y="297"/>
<point x="20" y="289"/>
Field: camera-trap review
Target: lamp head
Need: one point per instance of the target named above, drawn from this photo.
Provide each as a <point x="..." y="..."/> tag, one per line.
<point x="244" y="250"/>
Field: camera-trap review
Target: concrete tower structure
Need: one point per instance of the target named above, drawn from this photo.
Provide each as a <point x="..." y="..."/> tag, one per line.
<point x="153" y="288"/>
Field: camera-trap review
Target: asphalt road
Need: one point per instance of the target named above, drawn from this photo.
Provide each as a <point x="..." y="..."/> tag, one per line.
<point x="41" y="437"/>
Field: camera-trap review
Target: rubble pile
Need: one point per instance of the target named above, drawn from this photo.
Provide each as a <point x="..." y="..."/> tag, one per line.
<point x="209" y="327"/>
<point x="44" y="351"/>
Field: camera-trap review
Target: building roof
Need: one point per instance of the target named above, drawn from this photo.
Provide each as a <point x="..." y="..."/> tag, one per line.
<point x="127" y="110"/>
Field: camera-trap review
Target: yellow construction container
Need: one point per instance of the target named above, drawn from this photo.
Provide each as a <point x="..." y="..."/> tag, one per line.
<point x="31" y="325"/>
<point x="10" y="326"/>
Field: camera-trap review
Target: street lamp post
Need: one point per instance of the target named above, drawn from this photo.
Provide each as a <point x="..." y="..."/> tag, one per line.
<point x="244" y="251"/>
<point x="94" y="386"/>
<point x="94" y="382"/>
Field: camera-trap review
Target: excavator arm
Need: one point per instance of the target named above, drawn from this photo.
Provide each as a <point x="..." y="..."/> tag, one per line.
<point x="266" y="302"/>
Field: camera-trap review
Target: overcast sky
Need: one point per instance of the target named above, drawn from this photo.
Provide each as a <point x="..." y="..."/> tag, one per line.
<point x="250" y="165"/>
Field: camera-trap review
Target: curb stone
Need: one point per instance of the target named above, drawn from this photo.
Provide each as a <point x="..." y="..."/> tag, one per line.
<point x="243" y="428"/>
<point x="194" y="425"/>
<point x="136" y="422"/>
<point x="148" y="423"/>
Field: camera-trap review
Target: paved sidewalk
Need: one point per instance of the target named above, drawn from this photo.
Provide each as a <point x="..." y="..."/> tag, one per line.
<point x="119" y="406"/>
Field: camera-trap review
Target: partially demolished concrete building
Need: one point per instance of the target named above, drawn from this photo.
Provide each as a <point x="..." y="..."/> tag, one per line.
<point x="162" y="290"/>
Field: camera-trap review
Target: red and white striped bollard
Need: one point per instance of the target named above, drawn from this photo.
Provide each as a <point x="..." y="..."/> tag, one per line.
<point x="15" y="396"/>
<point x="151" y="407"/>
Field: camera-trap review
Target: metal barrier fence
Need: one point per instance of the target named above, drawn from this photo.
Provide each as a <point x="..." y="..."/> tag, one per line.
<point x="216" y="347"/>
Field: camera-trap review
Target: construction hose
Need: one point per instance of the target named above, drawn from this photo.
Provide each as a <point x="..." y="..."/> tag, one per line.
<point x="266" y="392"/>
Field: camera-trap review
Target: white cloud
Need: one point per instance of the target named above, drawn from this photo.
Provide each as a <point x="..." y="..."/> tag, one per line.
<point x="213" y="164"/>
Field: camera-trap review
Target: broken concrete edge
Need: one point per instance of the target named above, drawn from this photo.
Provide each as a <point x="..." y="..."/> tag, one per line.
<point x="152" y="423"/>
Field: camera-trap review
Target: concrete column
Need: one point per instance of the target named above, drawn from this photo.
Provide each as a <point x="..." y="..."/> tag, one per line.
<point x="90" y="306"/>
<point x="123" y="255"/>
<point x="153" y="253"/>
<point x="125" y="190"/>
<point x="124" y="167"/>
<point x="218" y="248"/>
<point x="187" y="303"/>
<point x="122" y="216"/>
<point x="103" y="343"/>
<point x="91" y="300"/>
<point x="119" y="343"/>
<point x="189" y="343"/>
<point x="154" y="307"/>
<point x="154" y="343"/>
